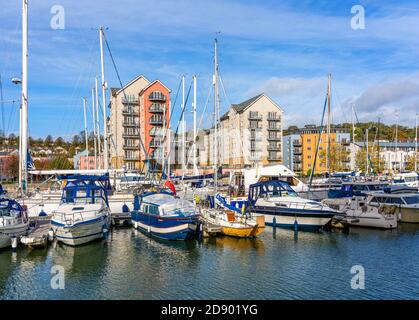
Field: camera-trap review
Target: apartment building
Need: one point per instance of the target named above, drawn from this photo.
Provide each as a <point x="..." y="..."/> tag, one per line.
<point x="301" y="144"/>
<point x="249" y="133"/>
<point x="139" y="116"/>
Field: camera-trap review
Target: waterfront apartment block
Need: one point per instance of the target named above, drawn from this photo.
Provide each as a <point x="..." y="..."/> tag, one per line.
<point x="249" y="133"/>
<point x="300" y="149"/>
<point x="139" y="116"/>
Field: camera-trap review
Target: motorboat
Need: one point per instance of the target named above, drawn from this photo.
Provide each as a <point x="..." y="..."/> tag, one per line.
<point x="233" y="221"/>
<point x="163" y="215"/>
<point x="13" y="221"/>
<point x="283" y="207"/>
<point x="369" y="212"/>
<point x="410" y="179"/>
<point x="83" y="214"/>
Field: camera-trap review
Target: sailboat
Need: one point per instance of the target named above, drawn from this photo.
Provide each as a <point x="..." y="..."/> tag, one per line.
<point x="232" y="221"/>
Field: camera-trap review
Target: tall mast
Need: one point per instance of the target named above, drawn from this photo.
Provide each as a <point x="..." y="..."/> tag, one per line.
<point x="105" y="127"/>
<point x="367" y="154"/>
<point x="97" y="118"/>
<point x="397" y="138"/>
<point x="416" y="143"/>
<point x="328" y="126"/>
<point x="85" y="127"/>
<point x="168" y="138"/>
<point x="195" y="168"/>
<point x="353" y="133"/>
<point x="24" y="115"/>
<point x="216" y="114"/>
<point x="183" y="128"/>
<point x="94" y="126"/>
<point x="378" y="146"/>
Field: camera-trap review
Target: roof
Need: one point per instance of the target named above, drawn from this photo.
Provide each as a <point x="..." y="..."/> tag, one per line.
<point x="118" y="90"/>
<point x="155" y="81"/>
<point x="241" y="106"/>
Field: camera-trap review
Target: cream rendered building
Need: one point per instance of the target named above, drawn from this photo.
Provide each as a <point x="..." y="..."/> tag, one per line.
<point x="249" y="133"/>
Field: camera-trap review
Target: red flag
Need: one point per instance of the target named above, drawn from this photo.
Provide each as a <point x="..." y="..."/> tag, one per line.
<point x="170" y="185"/>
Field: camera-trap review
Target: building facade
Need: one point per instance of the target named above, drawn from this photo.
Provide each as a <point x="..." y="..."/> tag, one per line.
<point x="139" y="116"/>
<point x="301" y="144"/>
<point x="249" y="133"/>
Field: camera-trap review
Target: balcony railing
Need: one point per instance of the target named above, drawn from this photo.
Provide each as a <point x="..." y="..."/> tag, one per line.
<point x="274" y="148"/>
<point x="157" y="108"/>
<point x="254" y="116"/>
<point x="273" y="128"/>
<point x="157" y="96"/>
<point x="129" y="100"/>
<point x="131" y="158"/>
<point x="130" y="147"/>
<point x="155" y="143"/>
<point x="274" y="157"/>
<point x="130" y="124"/>
<point x="297" y="159"/>
<point x="298" y="150"/>
<point x="130" y="134"/>
<point x="129" y="111"/>
<point x="156" y="120"/>
<point x="255" y="138"/>
<point x="256" y="157"/>
<point x="297" y="143"/>
<point x="255" y="128"/>
<point x="277" y="138"/>
<point x="273" y="118"/>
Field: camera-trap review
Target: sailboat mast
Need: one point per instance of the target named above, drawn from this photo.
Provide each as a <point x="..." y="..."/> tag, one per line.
<point x="168" y="138"/>
<point x="105" y="127"/>
<point x="216" y="114"/>
<point x="183" y="128"/>
<point x="85" y="128"/>
<point x="195" y="168"/>
<point x="94" y="126"/>
<point x="367" y="154"/>
<point x="24" y="116"/>
<point x="416" y="143"/>
<point x="97" y="118"/>
<point x="328" y="126"/>
<point x="397" y="138"/>
<point x="353" y="132"/>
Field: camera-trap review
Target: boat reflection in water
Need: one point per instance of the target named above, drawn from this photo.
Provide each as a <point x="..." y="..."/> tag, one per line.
<point x="236" y="243"/>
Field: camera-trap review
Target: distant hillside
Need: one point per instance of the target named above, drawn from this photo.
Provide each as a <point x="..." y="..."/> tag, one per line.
<point x="385" y="132"/>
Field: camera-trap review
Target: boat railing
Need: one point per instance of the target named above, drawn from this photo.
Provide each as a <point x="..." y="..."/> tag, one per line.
<point x="72" y="217"/>
<point x="305" y="205"/>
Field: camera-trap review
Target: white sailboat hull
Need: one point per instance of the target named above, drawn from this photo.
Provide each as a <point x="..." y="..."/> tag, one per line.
<point x="14" y="230"/>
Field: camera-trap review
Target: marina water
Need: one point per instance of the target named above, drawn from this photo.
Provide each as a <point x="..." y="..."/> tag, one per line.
<point x="280" y="264"/>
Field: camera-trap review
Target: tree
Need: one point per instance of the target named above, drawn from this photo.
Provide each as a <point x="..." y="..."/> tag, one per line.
<point x="11" y="167"/>
<point x="376" y="163"/>
<point x="338" y="157"/>
<point x="48" y="141"/>
<point x="59" y="163"/>
<point x="410" y="165"/>
<point x="59" y="142"/>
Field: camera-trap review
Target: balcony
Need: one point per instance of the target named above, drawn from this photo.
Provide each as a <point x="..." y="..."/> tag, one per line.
<point x="274" y="148"/>
<point x="130" y="134"/>
<point x="255" y="148"/>
<point x="297" y="159"/>
<point x="298" y="150"/>
<point x="129" y="111"/>
<point x="130" y="100"/>
<point x="157" y="96"/>
<point x="256" y="157"/>
<point x="255" y="138"/>
<point x="273" y="118"/>
<point x="157" y="108"/>
<point x="274" y="158"/>
<point x="155" y="143"/>
<point x="274" y="138"/>
<point x="155" y="156"/>
<point x="297" y="143"/>
<point x="131" y="158"/>
<point x="298" y="167"/>
<point x="254" y="116"/>
<point x="274" y="128"/>
<point x="130" y="124"/>
<point x="255" y="128"/>
<point x="130" y="147"/>
<point x="156" y="120"/>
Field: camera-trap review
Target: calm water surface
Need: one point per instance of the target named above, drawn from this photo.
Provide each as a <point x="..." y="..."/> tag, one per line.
<point x="277" y="265"/>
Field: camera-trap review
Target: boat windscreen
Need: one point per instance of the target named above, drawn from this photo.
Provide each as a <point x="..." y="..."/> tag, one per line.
<point x="411" y="199"/>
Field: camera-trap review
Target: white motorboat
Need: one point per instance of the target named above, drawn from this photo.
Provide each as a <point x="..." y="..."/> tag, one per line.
<point x="83" y="214"/>
<point x="369" y="212"/>
<point x="13" y="221"/>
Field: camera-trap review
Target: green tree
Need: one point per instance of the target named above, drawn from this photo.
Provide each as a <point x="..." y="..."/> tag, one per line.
<point x="338" y="158"/>
<point x="59" y="163"/>
<point x="376" y="163"/>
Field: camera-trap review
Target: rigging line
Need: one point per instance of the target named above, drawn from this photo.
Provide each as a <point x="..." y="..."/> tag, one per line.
<point x="180" y="118"/>
<point x="318" y="144"/>
<point x="125" y="96"/>
<point x="2" y="110"/>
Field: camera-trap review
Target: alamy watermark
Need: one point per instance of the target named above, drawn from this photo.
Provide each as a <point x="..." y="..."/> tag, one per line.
<point x="358" y="20"/>
<point x="58" y="19"/>
<point x="57" y="277"/>
<point x="358" y="278"/>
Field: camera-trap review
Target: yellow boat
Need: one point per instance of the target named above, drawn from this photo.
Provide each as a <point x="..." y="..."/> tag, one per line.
<point x="235" y="225"/>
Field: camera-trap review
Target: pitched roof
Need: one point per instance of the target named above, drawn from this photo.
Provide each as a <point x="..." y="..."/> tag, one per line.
<point x="241" y="106"/>
<point x="131" y="82"/>
<point x="114" y="91"/>
<point x="155" y="81"/>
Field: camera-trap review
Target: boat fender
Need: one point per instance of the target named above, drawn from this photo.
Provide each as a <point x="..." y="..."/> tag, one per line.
<point x="295" y="225"/>
<point x="50" y="235"/>
<point x="274" y="222"/>
<point x="135" y="225"/>
<point x="104" y="231"/>
<point x="125" y="208"/>
<point x="136" y="202"/>
<point x="14" y="243"/>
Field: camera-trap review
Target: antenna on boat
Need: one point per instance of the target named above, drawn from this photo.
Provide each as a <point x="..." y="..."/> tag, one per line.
<point x="85" y="128"/>
<point x="94" y="126"/>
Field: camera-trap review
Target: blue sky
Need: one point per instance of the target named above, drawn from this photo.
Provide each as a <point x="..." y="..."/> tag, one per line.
<point x="282" y="48"/>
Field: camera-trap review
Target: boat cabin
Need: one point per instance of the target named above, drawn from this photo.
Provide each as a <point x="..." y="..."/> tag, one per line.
<point x="272" y="188"/>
